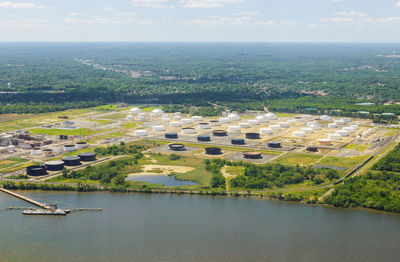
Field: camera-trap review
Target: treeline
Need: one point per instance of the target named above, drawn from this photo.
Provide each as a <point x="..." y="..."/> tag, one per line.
<point x="391" y="162"/>
<point x="44" y="107"/>
<point x="214" y="167"/>
<point x="334" y="106"/>
<point x="121" y="149"/>
<point x="112" y="172"/>
<point x="273" y="175"/>
<point x="374" y="190"/>
<point x="48" y="187"/>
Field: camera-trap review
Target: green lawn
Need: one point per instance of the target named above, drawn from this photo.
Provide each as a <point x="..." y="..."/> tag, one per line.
<point x="342" y="161"/>
<point x="297" y="159"/>
<point x="69" y="132"/>
<point x="131" y="125"/>
<point x="351" y="146"/>
<point x="362" y="147"/>
<point x="235" y="170"/>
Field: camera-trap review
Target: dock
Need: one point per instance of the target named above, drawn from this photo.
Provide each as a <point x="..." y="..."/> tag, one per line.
<point x="27" y="199"/>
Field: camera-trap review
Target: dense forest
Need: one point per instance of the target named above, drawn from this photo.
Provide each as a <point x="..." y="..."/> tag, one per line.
<point x="391" y="162"/>
<point x="197" y="74"/>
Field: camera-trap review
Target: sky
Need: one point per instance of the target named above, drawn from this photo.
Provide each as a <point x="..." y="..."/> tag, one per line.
<point x="201" y="20"/>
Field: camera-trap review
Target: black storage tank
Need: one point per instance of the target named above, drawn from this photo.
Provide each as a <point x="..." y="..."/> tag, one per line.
<point x="252" y="155"/>
<point x="87" y="156"/>
<point x="71" y="161"/>
<point x="274" y="144"/>
<point x="213" y="151"/>
<point x="253" y="135"/>
<point x="54" y="165"/>
<point x="171" y="135"/>
<point x="203" y="138"/>
<point x="36" y="170"/>
<point x="312" y="149"/>
<point x="237" y="141"/>
<point x="63" y="137"/>
<point x="220" y="133"/>
<point x="177" y="147"/>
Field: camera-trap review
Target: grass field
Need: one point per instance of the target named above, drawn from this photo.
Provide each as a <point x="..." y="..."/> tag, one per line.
<point x="234" y="170"/>
<point x="362" y="147"/>
<point x="351" y="146"/>
<point x="11" y="162"/>
<point x="131" y="125"/>
<point x="100" y="121"/>
<point x="342" y="161"/>
<point x="69" y="132"/>
<point x="297" y="159"/>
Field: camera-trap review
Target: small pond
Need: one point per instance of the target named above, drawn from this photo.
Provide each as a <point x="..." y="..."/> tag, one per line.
<point x="163" y="179"/>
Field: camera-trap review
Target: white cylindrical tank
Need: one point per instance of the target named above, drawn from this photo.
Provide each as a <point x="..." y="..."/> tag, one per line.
<point x="177" y="117"/>
<point x="339" y="122"/>
<point x="355" y="127"/>
<point x="234" y="117"/>
<point x="81" y="145"/>
<point x="265" y="131"/>
<point x="129" y="117"/>
<point x="291" y="121"/>
<point x="275" y="127"/>
<point x="175" y="124"/>
<point x="244" y="125"/>
<point x="69" y="148"/>
<point x="135" y="110"/>
<point x="271" y="116"/>
<point x="315" y="127"/>
<point x="346" y="119"/>
<point x="234" y="128"/>
<point x="36" y="152"/>
<point x="358" y="138"/>
<point x="298" y="120"/>
<point x="348" y="129"/>
<point x="253" y="122"/>
<point x="11" y="148"/>
<point x="57" y="150"/>
<point x="142" y="116"/>
<point x="157" y="112"/>
<point x="197" y="118"/>
<point x="309" y="124"/>
<point x="332" y="125"/>
<point x="325" y="142"/>
<point x="214" y="123"/>
<point x="305" y="117"/>
<point x="158" y="128"/>
<point x="165" y="119"/>
<point x="203" y="126"/>
<point x="334" y="136"/>
<point x="262" y="119"/>
<point x="366" y="133"/>
<point x="307" y="130"/>
<point x="224" y="120"/>
<point x="187" y="121"/>
<point x="325" y="118"/>
<point x="283" y="124"/>
<point x="299" y="134"/>
<point x="140" y="132"/>
<point x="342" y="133"/>
<point x="188" y="131"/>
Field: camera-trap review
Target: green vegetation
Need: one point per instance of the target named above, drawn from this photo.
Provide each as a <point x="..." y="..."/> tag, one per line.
<point x="11" y="162"/>
<point x="131" y="125"/>
<point x="391" y="162"/>
<point x="121" y="149"/>
<point x="351" y="146"/>
<point x="378" y="191"/>
<point x="297" y="159"/>
<point x="342" y="161"/>
<point x="69" y="132"/>
<point x="235" y="170"/>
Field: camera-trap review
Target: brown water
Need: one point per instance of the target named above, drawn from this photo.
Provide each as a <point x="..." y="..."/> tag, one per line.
<point x="150" y="227"/>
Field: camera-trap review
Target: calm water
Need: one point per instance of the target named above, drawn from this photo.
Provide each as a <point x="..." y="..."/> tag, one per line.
<point x="149" y="227"/>
<point x="163" y="179"/>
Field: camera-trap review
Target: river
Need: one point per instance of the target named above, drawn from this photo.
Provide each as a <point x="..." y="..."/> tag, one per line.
<point x="152" y="227"/>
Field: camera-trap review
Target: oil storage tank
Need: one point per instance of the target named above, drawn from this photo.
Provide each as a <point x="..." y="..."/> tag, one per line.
<point x="71" y="161"/>
<point x="274" y="144"/>
<point x="213" y="151"/>
<point x="81" y="145"/>
<point x="177" y="147"/>
<point x="237" y="141"/>
<point x="36" y="170"/>
<point x="220" y="133"/>
<point x="252" y="155"/>
<point x="203" y="138"/>
<point x="87" y="156"/>
<point x="54" y="165"/>
<point x="252" y="135"/>
<point x="171" y="135"/>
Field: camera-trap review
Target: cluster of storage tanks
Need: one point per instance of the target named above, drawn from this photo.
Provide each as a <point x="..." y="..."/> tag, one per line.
<point x="58" y="165"/>
<point x="58" y="149"/>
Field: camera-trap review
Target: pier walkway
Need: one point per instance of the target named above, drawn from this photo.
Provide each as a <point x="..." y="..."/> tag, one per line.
<point x="27" y="199"/>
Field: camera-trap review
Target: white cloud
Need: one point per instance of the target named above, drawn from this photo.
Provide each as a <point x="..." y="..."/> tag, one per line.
<point x="249" y="13"/>
<point x="98" y="20"/>
<point x="150" y="3"/>
<point x="397" y="4"/>
<point x="25" y="23"/>
<point x="207" y="3"/>
<point x="73" y="13"/>
<point x="108" y="9"/>
<point x="246" y="21"/>
<point x="350" y="14"/>
<point x="22" y="5"/>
